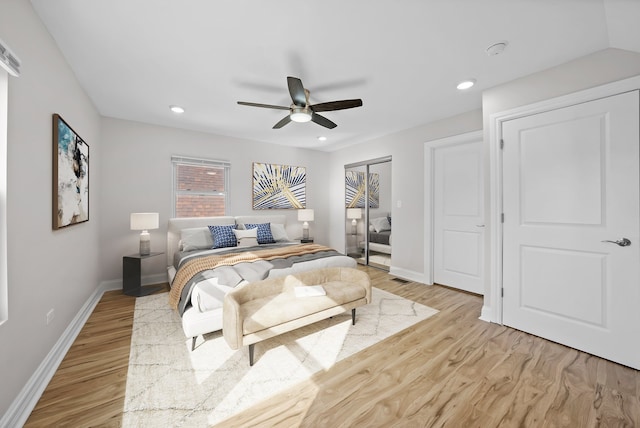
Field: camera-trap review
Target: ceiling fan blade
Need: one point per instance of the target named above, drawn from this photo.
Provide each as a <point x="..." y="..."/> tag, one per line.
<point x="283" y="122"/>
<point x="323" y="121"/>
<point x="243" y="103"/>
<point x="336" y="105"/>
<point x="296" y="90"/>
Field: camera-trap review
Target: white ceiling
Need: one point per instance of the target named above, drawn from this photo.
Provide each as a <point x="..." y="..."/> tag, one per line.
<point x="402" y="58"/>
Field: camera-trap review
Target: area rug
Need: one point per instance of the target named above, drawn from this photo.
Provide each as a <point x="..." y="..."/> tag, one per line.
<point x="170" y="385"/>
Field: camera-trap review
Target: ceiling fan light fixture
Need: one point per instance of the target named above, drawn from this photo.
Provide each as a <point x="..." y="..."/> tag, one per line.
<point x="300" y="115"/>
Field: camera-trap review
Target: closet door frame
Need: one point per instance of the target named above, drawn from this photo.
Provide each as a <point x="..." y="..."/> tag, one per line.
<point x="367" y="164"/>
<point x="430" y="148"/>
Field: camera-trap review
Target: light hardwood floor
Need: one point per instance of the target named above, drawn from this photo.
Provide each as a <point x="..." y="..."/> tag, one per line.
<point x="450" y="370"/>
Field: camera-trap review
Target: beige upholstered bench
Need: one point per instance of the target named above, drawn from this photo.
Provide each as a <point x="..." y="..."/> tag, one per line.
<point x="257" y="311"/>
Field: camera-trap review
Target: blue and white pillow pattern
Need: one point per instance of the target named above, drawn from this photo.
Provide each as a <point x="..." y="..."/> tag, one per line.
<point x="264" y="232"/>
<point x="223" y="236"/>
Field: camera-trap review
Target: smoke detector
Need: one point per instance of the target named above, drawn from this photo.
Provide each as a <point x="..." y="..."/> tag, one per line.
<point x="496" y="48"/>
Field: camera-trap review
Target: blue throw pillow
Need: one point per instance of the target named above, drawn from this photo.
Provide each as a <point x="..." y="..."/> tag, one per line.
<point x="223" y="236"/>
<point x="264" y="232"/>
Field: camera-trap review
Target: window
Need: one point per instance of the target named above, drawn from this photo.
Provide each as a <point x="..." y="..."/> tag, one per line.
<point x="200" y="187"/>
<point x="4" y="107"/>
<point x="9" y="65"/>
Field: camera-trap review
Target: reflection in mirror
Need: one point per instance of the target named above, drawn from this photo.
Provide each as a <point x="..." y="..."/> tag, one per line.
<point x="355" y="193"/>
<point x="368" y="212"/>
<point x="379" y="236"/>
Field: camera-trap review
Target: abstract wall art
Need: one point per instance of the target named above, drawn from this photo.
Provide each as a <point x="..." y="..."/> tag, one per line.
<point x="279" y="186"/>
<point x="355" y="189"/>
<point x="70" y="176"/>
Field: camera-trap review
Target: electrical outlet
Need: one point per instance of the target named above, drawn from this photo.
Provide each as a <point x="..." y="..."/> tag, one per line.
<point x="50" y="316"/>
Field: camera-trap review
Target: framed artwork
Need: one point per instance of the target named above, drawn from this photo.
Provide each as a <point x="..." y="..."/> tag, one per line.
<point x="279" y="186"/>
<point x="355" y="189"/>
<point x="70" y="176"/>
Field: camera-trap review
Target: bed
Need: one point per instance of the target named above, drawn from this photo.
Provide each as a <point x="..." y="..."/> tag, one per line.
<point x="258" y="247"/>
<point x="379" y="234"/>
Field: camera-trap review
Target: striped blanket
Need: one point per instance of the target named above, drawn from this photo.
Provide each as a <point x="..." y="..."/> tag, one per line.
<point x="194" y="266"/>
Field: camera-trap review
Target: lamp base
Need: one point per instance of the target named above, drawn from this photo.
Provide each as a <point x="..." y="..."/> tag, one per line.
<point x="354" y="227"/>
<point x="145" y="243"/>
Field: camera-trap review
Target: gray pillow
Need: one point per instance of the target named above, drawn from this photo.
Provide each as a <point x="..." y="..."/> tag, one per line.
<point x="196" y="238"/>
<point x="381" y="224"/>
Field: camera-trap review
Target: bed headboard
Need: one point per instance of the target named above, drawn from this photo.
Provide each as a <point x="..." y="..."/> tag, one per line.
<point x="177" y="224"/>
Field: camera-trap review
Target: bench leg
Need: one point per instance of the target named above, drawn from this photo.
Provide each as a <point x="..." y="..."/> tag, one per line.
<point x="193" y="342"/>
<point x="353" y="316"/>
<point x="251" y="354"/>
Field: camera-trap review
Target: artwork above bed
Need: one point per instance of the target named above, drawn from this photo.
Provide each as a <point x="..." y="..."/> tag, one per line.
<point x="279" y="186"/>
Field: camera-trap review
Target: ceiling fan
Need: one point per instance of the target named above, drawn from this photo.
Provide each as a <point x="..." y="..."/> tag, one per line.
<point x="301" y="111"/>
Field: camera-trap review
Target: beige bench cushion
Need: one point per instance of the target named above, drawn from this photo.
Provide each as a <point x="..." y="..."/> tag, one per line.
<point x="259" y="310"/>
<point x="266" y="312"/>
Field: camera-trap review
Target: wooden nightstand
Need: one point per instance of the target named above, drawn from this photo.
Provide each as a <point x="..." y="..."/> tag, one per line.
<point x="131" y="276"/>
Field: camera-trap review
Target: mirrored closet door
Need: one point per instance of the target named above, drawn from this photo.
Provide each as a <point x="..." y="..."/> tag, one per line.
<point x="368" y="212"/>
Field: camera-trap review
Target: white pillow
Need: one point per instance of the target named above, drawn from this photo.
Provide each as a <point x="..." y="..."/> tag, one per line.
<point x="381" y="224"/>
<point x="279" y="233"/>
<point x="196" y="238"/>
<point x="247" y="238"/>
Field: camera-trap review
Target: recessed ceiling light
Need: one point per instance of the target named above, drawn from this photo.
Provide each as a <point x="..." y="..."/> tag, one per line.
<point x="322" y="138"/>
<point x="466" y="84"/>
<point x="176" y="109"/>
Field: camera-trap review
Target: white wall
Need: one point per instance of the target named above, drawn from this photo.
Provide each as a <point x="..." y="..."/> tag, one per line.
<point x="137" y="172"/>
<point x="599" y="68"/>
<point x="407" y="186"/>
<point x="46" y="269"/>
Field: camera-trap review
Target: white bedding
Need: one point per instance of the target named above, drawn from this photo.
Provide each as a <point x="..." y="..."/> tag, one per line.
<point x="208" y="295"/>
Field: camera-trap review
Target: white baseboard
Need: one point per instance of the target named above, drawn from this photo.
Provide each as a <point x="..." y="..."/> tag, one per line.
<point x="485" y="314"/>
<point x="158" y="278"/>
<point x="407" y="274"/>
<point x="116" y="284"/>
<point x="23" y="405"/>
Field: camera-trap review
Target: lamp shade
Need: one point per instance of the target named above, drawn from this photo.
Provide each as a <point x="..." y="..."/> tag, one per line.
<point x="305" y="215"/>
<point x="354" y="213"/>
<point x="144" y="221"/>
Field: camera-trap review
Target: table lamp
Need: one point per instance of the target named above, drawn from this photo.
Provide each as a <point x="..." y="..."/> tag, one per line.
<point x="305" y="215"/>
<point x="144" y="222"/>
<point x="354" y="214"/>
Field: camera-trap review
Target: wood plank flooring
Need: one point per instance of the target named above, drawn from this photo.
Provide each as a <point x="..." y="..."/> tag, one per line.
<point x="451" y="370"/>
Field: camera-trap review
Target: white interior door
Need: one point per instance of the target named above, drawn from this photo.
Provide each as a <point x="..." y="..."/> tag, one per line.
<point x="570" y="182"/>
<point x="458" y="245"/>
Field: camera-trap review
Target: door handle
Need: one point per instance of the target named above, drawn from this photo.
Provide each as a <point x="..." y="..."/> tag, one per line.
<point x="624" y="242"/>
